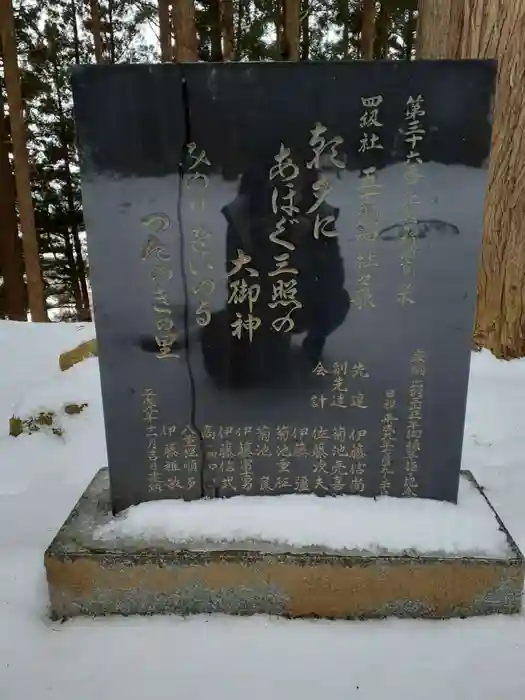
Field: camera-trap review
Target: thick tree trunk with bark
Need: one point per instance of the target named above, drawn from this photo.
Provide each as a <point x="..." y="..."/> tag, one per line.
<point x="227" y="29"/>
<point x="35" y="285"/>
<point x="186" y="46"/>
<point x="291" y="29"/>
<point x="11" y="261"/>
<point x="216" y="31"/>
<point x="440" y="28"/>
<point x="165" y="31"/>
<point x="493" y="29"/>
<point x="344" y="12"/>
<point x="382" y="32"/>
<point x="368" y="29"/>
<point x="96" y="30"/>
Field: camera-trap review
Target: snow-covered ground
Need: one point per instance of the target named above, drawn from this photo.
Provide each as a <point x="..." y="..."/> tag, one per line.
<point x="42" y="476"/>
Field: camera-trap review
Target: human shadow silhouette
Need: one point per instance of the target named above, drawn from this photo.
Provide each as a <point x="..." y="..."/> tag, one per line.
<point x="234" y="356"/>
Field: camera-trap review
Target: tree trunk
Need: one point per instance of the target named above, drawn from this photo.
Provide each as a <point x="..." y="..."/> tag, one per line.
<point x="494" y="29"/>
<point x="81" y="265"/>
<point x="278" y="21"/>
<point x="96" y="30"/>
<point x="440" y="28"/>
<point x="291" y="29"/>
<point x="368" y="29"/>
<point x="227" y="29"/>
<point x="421" y="28"/>
<point x="344" y="11"/>
<point x="185" y="31"/>
<point x="165" y="31"/>
<point x="305" y="31"/>
<point x="111" y="32"/>
<point x="70" y="257"/>
<point x="238" y="33"/>
<point x="216" y="31"/>
<point x="382" y="32"/>
<point x="173" y="32"/>
<point x="76" y="42"/>
<point x="11" y="261"/>
<point x="35" y="285"/>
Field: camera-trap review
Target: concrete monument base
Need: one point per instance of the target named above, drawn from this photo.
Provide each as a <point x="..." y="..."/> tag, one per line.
<point x="89" y="577"/>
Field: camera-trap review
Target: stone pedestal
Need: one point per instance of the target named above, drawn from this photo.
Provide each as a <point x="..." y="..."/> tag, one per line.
<point x="89" y="577"/>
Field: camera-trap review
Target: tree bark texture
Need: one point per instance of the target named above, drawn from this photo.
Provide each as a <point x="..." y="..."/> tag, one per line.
<point x="11" y="261"/>
<point x="291" y="29"/>
<point x="186" y="46"/>
<point x="165" y="31"/>
<point x="493" y="29"/>
<point x="216" y="31"/>
<point x="383" y="23"/>
<point x="35" y="285"/>
<point x="368" y="29"/>
<point x="96" y="30"/>
<point x="344" y="12"/>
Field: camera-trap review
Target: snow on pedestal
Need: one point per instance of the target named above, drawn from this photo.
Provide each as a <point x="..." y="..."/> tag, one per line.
<point x="352" y="523"/>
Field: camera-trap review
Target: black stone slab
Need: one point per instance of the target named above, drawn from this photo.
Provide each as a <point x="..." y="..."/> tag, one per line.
<point x="181" y="184"/>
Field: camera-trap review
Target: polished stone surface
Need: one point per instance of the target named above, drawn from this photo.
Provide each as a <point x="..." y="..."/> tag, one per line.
<point x="303" y="241"/>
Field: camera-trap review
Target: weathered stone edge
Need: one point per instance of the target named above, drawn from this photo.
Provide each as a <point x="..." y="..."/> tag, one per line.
<point x="183" y="581"/>
<point x="518" y="556"/>
<point x="301" y="556"/>
<point x="99" y="585"/>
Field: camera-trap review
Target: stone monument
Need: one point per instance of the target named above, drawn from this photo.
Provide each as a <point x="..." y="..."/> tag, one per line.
<point x="283" y="260"/>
